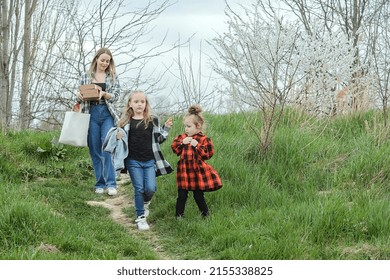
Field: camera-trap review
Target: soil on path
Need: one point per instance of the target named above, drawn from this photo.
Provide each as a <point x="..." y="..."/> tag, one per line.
<point x="117" y="204"/>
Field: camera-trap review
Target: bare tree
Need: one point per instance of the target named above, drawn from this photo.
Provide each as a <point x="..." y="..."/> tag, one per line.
<point x="50" y="74"/>
<point x="9" y="50"/>
<point x="52" y="43"/>
<point x="127" y="32"/>
<point x="23" y="43"/>
<point x="191" y="86"/>
<point x="380" y="45"/>
<point x="24" y="108"/>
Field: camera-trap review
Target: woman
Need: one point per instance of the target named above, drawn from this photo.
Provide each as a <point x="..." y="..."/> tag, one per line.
<point x="103" y="117"/>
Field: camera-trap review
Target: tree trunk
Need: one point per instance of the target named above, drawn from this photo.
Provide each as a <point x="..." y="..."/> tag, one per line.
<point x="24" y="113"/>
<point x="4" y="84"/>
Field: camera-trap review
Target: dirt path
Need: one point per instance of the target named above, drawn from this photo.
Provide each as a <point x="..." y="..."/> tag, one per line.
<point x="116" y="205"/>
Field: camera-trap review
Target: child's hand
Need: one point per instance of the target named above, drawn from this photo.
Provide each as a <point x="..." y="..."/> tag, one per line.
<point x="119" y="135"/>
<point x="187" y="140"/>
<point x="169" y="122"/>
<point x="194" y="142"/>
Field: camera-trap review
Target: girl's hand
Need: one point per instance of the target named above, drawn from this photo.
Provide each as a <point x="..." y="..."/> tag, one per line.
<point x="169" y="122"/>
<point x="187" y="140"/>
<point x="194" y="143"/>
<point x="119" y="135"/>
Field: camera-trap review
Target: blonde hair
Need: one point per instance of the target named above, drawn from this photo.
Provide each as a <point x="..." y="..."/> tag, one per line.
<point x="195" y="112"/>
<point x="111" y="70"/>
<point x="128" y="112"/>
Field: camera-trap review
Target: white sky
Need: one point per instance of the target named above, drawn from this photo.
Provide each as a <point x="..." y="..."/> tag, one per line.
<point x="202" y="19"/>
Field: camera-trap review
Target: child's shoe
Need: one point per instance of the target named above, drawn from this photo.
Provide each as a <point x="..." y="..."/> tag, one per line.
<point x="146" y="208"/>
<point x="99" y="190"/>
<point x="112" y="191"/>
<point x="141" y="222"/>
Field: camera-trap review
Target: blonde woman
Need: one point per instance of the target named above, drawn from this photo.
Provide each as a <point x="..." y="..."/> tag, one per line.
<point x="102" y="73"/>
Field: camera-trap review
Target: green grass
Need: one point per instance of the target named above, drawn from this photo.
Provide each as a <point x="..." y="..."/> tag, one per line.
<point x="321" y="192"/>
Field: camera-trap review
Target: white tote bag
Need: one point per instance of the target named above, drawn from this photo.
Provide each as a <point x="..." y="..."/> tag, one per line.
<point x="74" y="130"/>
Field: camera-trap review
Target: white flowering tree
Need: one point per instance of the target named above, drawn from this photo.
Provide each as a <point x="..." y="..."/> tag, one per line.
<point x="326" y="66"/>
<point x="355" y="20"/>
<point x="258" y="57"/>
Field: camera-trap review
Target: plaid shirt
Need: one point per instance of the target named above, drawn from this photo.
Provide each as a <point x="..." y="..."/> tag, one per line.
<point x="111" y="88"/>
<point x="193" y="173"/>
<point x="159" y="135"/>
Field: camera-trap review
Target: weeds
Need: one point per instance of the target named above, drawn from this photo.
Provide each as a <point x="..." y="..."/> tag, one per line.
<point x="321" y="192"/>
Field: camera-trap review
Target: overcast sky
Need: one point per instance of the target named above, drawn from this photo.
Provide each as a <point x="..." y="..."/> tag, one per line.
<point x="202" y="19"/>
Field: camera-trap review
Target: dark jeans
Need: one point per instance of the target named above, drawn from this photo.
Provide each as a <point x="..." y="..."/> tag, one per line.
<point x="182" y="196"/>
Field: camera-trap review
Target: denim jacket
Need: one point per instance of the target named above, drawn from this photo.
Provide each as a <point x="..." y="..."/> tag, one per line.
<point x="117" y="148"/>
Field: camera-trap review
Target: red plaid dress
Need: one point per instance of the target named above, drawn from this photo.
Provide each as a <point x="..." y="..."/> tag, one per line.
<point x="193" y="173"/>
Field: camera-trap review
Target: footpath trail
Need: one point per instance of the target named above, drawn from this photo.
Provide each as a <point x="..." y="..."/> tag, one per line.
<point x="122" y="200"/>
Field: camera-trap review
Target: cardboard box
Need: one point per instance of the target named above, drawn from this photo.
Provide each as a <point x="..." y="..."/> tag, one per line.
<point x="90" y="92"/>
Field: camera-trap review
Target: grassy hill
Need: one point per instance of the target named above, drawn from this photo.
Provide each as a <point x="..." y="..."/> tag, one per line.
<point x="322" y="192"/>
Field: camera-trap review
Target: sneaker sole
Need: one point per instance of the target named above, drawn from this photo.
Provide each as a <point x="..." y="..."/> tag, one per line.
<point x="143" y="229"/>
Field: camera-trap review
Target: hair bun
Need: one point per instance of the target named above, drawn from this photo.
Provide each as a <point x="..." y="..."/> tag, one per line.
<point x="195" y="109"/>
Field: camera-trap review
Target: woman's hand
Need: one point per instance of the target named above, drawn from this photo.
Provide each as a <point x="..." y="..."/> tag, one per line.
<point x="79" y="96"/>
<point x="119" y="135"/>
<point x="104" y="95"/>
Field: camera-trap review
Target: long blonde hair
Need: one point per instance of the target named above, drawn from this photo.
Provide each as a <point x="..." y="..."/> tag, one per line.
<point x="128" y="112"/>
<point x="111" y="70"/>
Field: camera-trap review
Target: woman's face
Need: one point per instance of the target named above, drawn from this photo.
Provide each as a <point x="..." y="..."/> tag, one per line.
<point x="103" y="61"/>
<point x="189" y="127"/>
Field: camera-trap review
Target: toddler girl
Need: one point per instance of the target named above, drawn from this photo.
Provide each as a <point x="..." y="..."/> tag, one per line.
<point x="193" y="173"/>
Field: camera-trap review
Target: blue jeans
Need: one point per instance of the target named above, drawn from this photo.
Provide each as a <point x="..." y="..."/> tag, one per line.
<point x="100" y="123"/>
<point x="143" y="178"/>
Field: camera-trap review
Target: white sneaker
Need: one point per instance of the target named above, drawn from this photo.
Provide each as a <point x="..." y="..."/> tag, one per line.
<point x="99" y="190"/>
<point x="146" y="208"/>
<point x="142" y="224"/>
<point x="112" y="191"/>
